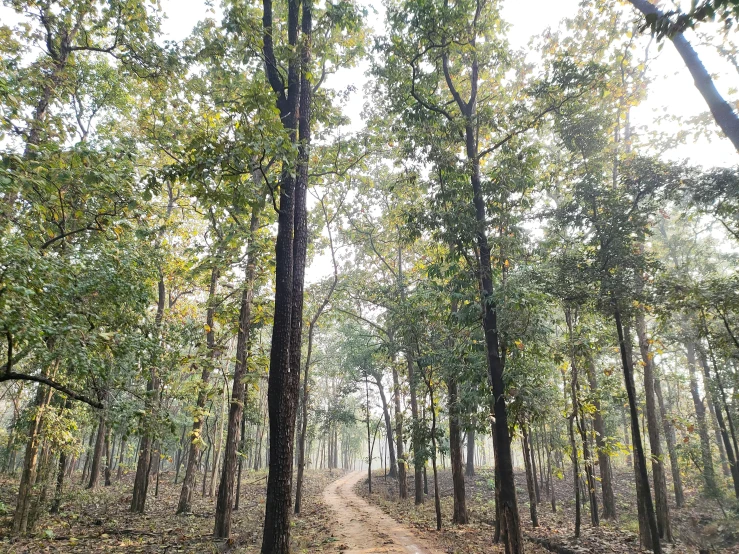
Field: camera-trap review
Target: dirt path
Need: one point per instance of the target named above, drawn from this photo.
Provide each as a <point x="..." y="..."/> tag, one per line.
<point x="363" y="529"/>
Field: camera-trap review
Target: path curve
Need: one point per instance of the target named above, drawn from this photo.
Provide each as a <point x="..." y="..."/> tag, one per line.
<point x="364" y="529"/>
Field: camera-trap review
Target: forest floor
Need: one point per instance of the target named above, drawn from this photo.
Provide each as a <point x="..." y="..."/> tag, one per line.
<point x="699" y="525"/>
<point x="336" y="519"/>
<point x="99" y="521"/>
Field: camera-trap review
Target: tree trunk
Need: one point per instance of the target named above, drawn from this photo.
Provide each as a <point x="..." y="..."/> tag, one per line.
<point x="455" y="453"/>
<point x="188" y="483"/>
<point x="141" y="481"/>
<point x="108" y="457"/>
<point x="530" y="477"/>
<point x="470" y="465"/>
<point x="30" y="463"/>
<point x="97" y="454"/>
<point x="709" y="476"/>
<point x="402" y="481"/>
<point x="643" y="492"/>
<point x="290" y="251"/>
<point x="224" y="504"/>
<point x="604" y="460"/>
<point x="658" y="473"/>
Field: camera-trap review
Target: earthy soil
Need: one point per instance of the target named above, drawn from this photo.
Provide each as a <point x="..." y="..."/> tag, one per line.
<point x="362" y="528"/>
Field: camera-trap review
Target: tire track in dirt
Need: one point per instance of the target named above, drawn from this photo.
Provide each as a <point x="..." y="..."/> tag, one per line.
<point x="364" y="529"/>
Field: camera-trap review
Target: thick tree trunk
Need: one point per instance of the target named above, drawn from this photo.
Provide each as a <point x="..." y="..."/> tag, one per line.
<point x="108" y="457"/>
<point x="507" y="501"/>
<point x="643" y="492"/>
<point x="658" y="472"/>
<point x="290" y="251"/>
<point x="721" y="110"/>
<point x="604" y="460"/>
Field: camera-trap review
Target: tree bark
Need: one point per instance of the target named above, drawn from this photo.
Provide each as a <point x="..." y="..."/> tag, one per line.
<point x="604" y="460"/>
<point x="530" y="480"/>
<point x="97" y="454"/>
<point x="284" y="373"/>
<point x="141" y="481"/>
<point x="720" y="423"/>
<point x="709" y="475"/>
<point x="643" y="492"/>
<point x="224" y="504"/>
<point x="470" y="464"/>
<point x="658" y="472"/>
<point x="402" y="465"/>
<point x="188" y="483"/>
<point x="455" y="453"/>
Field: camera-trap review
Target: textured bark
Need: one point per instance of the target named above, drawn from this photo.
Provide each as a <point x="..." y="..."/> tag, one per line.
<point x="658" y="470"/>
<point x="224" y="503"/>
<point x="455" y="452"/>
<point x="284" y="372"/>
<point x="643" y="492"/>
<point x="721" y="110"/>
<point x="418" y="460"/>
<point x="604" y="460"/>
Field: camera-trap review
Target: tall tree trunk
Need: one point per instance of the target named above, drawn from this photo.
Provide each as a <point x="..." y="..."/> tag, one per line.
<point x="721" y="424"/>
<point x="290" y="251"/>
<point x="455" y="453"/>
<point x="97" y="454"/>
<point x="669" y="429"/>
<point x="188" y="483"/>
<point x="388" y="428"/>
<point x="604" y="460"/>
<point x="470" y="464"/>
<point x="658" y="472"/>
<point x="224" y="504"/>
<point x="643" y="492"/>
<point x="402" y="465"/>
<point x="530" y="477"/>
<point x="709" y="475"/>
<point x="30" y="463"/>
<point x="141" y="481"/>
<point x="721" y="110"/>
<point x="108" y="457"/>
